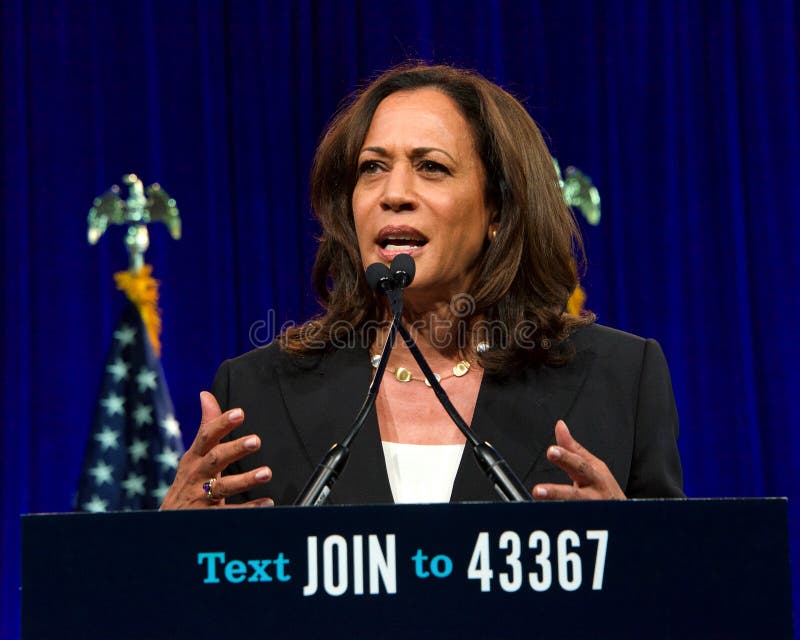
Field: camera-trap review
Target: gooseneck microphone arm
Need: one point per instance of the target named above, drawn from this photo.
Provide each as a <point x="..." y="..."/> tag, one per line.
<point x="372" y="392"/>
<point x="504" y="480"/>
<point x="329" y="469"/>
<point x="392" y="283"/>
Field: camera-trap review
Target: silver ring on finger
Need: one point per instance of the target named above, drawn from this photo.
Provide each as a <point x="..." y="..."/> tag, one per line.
<point x="208" y="489"/>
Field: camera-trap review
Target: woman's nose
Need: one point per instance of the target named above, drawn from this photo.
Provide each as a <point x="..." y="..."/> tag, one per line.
<point x="398" y="190"/>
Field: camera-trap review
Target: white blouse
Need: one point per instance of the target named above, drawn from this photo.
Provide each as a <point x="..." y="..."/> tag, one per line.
<point x="422" y="472"/>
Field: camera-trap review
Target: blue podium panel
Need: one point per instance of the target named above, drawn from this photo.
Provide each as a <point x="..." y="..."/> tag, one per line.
<point x="637" y="569"/>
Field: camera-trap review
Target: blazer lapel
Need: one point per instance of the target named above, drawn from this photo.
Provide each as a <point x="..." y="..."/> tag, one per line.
<point x="517" y="417"/>
<point x="323" y="397"/>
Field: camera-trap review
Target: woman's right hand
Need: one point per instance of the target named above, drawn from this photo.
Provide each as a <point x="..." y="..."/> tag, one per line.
<point x="206" y="459"/>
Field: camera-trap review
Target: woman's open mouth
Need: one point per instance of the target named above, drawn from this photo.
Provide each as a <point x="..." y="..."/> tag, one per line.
<point x="392" y="240"/>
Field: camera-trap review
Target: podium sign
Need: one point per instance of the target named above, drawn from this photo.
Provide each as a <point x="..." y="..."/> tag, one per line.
<point x="637" y="569"/>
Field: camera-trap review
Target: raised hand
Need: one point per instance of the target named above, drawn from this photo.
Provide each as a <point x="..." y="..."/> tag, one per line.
<point x="591" y="478"/>
<point x="198" y="482"/>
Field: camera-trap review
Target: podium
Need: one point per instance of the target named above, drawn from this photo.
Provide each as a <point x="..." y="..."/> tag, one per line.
<point x="637" y="569"/>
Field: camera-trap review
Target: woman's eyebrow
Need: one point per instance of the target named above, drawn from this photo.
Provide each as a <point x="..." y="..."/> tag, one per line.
<point x="423" y="151"/>
<point x="379" y="150"/>
<point x="415" y="153"/>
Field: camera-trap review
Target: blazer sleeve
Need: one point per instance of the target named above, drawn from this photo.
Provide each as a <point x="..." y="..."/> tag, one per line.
<point x="220" y="386"/>
<point x="656" y="466"/>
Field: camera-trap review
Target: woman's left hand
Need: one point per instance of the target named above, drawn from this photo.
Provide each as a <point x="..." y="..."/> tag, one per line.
<point x="591" y="478"/>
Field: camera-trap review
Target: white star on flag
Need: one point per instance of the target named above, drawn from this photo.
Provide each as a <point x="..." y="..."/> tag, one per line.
<point x="168" y="459"/>
<point x="138" y="450"/>
<point x="118" y="369"/>
<point x="161" y="492"/>
<point x="146" y="380"/>
<point x="102" y="473"/>
<point x="171" y="426"/>
<point x="125" y="335"/>
<point x="107" y="438"/>
<point x="95" y="505"/>
<point x="142" y="414"/>
<point x="113" y="404"/>
<point x="136" y="443"/>
<point x="134" y="485"/>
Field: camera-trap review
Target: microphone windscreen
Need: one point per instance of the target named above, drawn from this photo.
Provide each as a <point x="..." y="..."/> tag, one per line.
<point x="404" y="263"/>
<point x="376" y="272"/>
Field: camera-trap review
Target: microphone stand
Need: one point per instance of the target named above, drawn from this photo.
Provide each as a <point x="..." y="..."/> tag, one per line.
<point x="504" y="480"/>
<point x="318" y="487"/>
<point x="331" y="466"/>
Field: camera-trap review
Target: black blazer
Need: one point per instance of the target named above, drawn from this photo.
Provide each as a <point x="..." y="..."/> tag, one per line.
<point x="615" y="396"/>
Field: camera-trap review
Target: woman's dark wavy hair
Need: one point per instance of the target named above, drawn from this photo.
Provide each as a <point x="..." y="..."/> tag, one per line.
<point x="526" y="273"/>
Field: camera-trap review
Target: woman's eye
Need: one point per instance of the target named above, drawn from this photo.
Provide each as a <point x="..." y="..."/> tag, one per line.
<point x="429" y="166"/>
<point x="369" y="166"/>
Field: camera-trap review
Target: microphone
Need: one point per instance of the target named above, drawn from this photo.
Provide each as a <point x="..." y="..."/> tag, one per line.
<point x="503" y="479"/>
<point x="329" y="469"/>
<point x="392" y="280"/>
<point x="403" y="270"/>
<point x="378" y="277"/>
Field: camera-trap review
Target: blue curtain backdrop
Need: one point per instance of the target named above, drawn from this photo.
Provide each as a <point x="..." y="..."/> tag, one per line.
<point x="685" y="113"/>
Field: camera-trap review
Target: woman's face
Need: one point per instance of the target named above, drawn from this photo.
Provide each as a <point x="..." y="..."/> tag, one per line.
<point x="420" y="191"/>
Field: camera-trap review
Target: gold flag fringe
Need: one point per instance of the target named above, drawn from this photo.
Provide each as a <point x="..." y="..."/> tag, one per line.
<point x="576" y="301"/>
<point x="142" y="290"/>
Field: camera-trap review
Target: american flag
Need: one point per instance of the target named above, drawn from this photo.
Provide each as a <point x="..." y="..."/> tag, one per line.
<point x="135" y="443"/>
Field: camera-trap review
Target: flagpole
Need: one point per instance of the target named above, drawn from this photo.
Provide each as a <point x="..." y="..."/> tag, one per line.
<point x="135" y="442"/>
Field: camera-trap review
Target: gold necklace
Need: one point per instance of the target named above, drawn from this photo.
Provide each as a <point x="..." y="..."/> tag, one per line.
<point x="402" y="374"/>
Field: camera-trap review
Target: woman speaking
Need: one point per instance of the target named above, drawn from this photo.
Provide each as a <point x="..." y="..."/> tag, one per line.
<point x="445" y="166"/>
